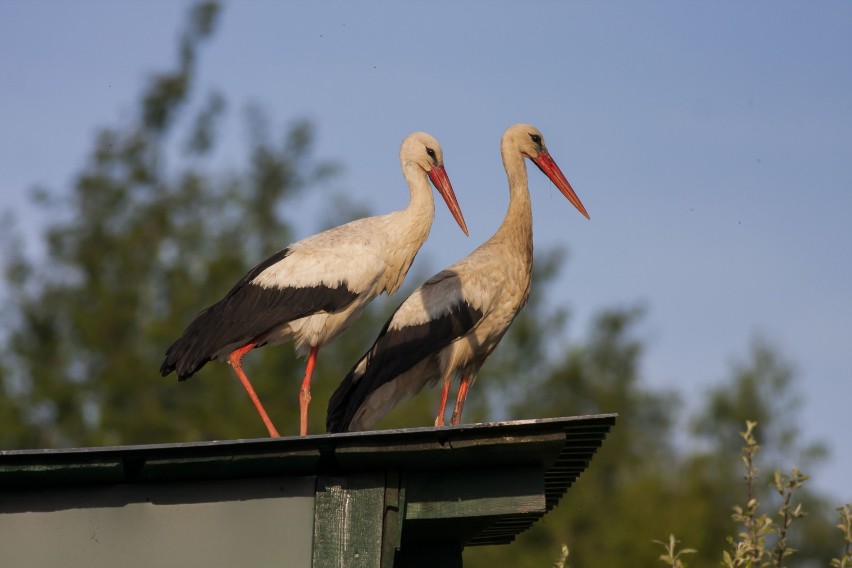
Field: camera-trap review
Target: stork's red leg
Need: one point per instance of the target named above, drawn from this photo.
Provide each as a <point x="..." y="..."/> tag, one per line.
<point x="236" y="359"/>
<point x="439" y="421"/>
<point x="457" y="410"/>
<point x="305" y="391"/>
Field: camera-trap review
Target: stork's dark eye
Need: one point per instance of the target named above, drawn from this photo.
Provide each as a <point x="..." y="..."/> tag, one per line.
<point x="536" y="139"/>
<point x="431" y="153"/>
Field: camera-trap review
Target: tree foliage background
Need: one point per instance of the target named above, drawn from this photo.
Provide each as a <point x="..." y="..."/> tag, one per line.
<point x="151" y="232"/>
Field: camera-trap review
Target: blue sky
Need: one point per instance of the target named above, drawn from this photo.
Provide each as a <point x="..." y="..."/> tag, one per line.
<point x="711" y="144"/>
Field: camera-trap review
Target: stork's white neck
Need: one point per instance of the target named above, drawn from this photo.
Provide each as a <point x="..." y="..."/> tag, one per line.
<point x="421" y="207"/>
<point x="516" y="229"/>
<point x="409" y="228"/>
<point x="421" y="203"/>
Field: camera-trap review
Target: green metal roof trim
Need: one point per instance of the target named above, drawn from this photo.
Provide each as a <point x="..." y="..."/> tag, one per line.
<point x="562" y="447"/>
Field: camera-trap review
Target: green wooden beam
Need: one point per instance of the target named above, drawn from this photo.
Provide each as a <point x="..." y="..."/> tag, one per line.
<point x="466" y="450"/>
<point x="348" y="521"/>
<point x="474" y="493"/>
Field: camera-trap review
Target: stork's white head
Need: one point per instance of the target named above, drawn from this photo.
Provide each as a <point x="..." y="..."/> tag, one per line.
<point x="525" y="139"/>
<point x="528" y="140"/>
<point x="421" y="150"/>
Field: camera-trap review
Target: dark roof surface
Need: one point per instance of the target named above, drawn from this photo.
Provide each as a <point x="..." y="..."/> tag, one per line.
<point x="562" y="447"/>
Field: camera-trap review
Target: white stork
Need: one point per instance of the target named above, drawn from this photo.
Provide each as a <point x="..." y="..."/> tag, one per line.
<point x="454" y="321"/>
<point x="314" y="289"/>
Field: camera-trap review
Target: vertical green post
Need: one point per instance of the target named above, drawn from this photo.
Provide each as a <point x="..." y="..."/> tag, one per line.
<point x="348" y="519"/>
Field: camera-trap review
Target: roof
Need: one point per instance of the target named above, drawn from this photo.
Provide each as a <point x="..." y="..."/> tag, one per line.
<point x="561" y="447"/>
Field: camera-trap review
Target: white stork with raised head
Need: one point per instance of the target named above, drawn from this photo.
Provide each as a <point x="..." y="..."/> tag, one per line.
<point x="453" y="322"/>
<point x="314" y="289"/>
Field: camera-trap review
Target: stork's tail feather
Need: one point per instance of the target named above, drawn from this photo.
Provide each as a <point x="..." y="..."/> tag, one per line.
<point x="184" y="358"/>
<point x="167" y="367"/>
<point x="343" y="404"/>
<point x="196" y="346"/>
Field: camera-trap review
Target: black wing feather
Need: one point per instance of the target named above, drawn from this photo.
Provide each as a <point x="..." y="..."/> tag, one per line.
<point x="393" y="353"/>
<point x="248" y="312"/>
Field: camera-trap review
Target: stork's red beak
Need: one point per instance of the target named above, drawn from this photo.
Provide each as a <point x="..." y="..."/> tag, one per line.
<point x="546" y="164"/>
<point x="438" y="175"/>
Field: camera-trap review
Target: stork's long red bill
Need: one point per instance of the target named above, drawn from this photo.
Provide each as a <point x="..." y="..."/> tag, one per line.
<point x="549" y="168"/>
<point x="439" y="177"/>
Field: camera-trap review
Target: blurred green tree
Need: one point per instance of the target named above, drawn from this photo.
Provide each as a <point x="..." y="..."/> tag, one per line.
<point x="653" y="478"/>
<point x="760" y="388"/>
<point x="147" y="236"/>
